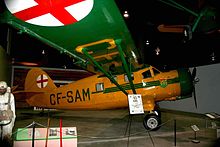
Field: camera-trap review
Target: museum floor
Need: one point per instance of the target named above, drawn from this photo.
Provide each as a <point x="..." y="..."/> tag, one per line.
<point x="110" y="128"/>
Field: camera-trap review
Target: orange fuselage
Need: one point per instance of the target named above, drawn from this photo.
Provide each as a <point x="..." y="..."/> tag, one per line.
<point x="98" y="92"/>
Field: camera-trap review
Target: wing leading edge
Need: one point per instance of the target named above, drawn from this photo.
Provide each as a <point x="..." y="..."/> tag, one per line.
<point x="97" y="32"/>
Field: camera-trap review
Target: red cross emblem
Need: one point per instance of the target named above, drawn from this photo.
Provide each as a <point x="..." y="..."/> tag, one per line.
<point x="62" y="12"/>
<point x="42" y="81"/>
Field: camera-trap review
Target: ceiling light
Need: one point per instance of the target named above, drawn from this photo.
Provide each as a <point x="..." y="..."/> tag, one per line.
<point x="43" y="52"/>
<point x="157" y="50"/>
<point x="213" y="56"/>
<point x="126" y="15"/>
<point x="147" y="42"/>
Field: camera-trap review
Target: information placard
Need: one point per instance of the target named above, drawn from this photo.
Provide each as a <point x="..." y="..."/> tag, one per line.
<point x="135" y="104"/>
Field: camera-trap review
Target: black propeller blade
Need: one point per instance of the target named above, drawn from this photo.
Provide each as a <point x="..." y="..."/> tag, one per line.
<point x="194" y="73"/>
<point x="195" y="80"/>
<point x="194" y="95"/>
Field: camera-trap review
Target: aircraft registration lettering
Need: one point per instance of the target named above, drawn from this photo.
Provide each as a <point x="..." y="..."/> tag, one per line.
<point x="70" y="96"/>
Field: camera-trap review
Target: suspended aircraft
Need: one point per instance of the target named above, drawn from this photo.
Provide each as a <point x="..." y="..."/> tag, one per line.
<point x="203" y="19"/>
<point x="95" y="35"/>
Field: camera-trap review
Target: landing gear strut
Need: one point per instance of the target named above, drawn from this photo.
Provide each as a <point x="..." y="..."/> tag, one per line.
<point x="152" y="121"/>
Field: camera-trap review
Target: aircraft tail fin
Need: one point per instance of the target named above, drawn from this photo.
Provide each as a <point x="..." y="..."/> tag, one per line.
<point x="38" y="80"/>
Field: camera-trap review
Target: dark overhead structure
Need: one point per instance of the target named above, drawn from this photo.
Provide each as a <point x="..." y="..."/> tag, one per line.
<point x="186" y="32"/>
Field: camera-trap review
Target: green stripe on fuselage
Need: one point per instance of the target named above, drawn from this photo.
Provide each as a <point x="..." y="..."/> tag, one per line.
<point x="140" y="85"/>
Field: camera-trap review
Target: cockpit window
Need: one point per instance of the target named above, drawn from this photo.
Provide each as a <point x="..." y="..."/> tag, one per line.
<point x="146" y="74"/>
<point x="155" y="71"/>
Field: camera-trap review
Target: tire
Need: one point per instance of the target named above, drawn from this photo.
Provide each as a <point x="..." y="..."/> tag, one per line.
<point x="152" y="122"/>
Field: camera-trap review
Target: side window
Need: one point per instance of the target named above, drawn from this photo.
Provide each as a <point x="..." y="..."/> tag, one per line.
<point x="146" y="74"/>
<point x="99" y="86"/>
<point x="126" y="78"/>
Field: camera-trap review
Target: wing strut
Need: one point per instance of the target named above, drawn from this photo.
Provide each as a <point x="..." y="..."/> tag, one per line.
<point x="180" y="7"/>
<point x="118" y="42"/>
<point x="83" y="49"/>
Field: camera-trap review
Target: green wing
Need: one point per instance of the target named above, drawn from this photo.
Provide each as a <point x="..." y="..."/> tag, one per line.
<point x="98" y="32"/>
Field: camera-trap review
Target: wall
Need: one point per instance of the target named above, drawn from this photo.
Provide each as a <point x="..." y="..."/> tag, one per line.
<point x="5" y="66"/>
<point x="207" y="93"/>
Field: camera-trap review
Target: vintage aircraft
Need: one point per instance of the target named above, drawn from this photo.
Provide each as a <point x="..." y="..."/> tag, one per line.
<point x="95" y="35"/>
<point x="99" y="92"/>
<point x="204" y="19"/>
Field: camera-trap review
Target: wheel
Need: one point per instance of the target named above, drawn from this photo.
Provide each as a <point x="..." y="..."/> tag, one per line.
<point x="152" y="122"/>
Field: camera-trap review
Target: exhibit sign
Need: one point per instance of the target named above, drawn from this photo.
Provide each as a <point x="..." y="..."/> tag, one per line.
<point x="24" y="137"/>
<point x="135" y="104"/>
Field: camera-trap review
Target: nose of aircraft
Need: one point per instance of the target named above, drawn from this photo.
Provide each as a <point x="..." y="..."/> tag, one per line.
<point x="186" y="83"/>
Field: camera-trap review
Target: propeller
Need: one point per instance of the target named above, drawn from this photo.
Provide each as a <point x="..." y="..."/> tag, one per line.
<point x="194" y="95"/>
<point x="195" y="80"/>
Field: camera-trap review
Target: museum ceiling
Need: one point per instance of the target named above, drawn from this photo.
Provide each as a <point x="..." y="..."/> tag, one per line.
<point x="200" y="47"/>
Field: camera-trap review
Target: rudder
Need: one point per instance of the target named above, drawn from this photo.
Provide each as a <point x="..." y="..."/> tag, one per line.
<point x="38" y="80"/>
